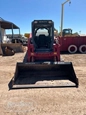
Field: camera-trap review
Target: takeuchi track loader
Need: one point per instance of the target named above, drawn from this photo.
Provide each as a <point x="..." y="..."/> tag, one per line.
<point x="42" y="66"/>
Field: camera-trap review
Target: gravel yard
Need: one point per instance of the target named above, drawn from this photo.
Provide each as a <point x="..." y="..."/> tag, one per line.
<point x="46" y="101"/>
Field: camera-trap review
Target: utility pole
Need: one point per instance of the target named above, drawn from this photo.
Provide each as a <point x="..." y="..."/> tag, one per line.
<point x="62" y="11"/>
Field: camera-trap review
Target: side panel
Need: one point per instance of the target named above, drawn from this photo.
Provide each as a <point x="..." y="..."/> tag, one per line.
<point x="67" y="41"/>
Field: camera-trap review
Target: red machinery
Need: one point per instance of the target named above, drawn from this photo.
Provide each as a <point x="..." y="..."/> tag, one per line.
<point x="42" y="60"/>
<point x="42" y="45"/>
<point x="43" y="54"/>
<point x="72" y="42"/>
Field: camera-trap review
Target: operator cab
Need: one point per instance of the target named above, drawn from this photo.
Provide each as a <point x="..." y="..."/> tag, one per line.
<point x="67" y="32"/>
<point x="43" y="35"/>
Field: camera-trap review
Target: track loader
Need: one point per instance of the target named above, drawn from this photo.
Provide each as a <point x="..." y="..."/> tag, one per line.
<point x="42" y="66"/>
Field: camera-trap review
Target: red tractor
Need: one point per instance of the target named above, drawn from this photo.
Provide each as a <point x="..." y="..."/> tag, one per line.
<point x="42" y="60"/>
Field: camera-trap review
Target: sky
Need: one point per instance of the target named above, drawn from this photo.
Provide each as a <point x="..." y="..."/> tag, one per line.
<point x="23" y="12"/>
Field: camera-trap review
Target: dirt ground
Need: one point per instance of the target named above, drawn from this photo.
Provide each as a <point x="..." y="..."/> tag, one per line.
<point x="55" y="101"/>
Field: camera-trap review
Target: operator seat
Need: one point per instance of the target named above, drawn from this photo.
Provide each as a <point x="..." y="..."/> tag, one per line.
<point x="42" y="41"/>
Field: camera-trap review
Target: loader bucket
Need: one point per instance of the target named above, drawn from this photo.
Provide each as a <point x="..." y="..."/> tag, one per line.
<point x="38" y="75"/>
<point x="17" y="47"/>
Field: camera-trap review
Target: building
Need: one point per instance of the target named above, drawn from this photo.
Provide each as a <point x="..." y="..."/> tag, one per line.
<point x="6" y="25"/>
